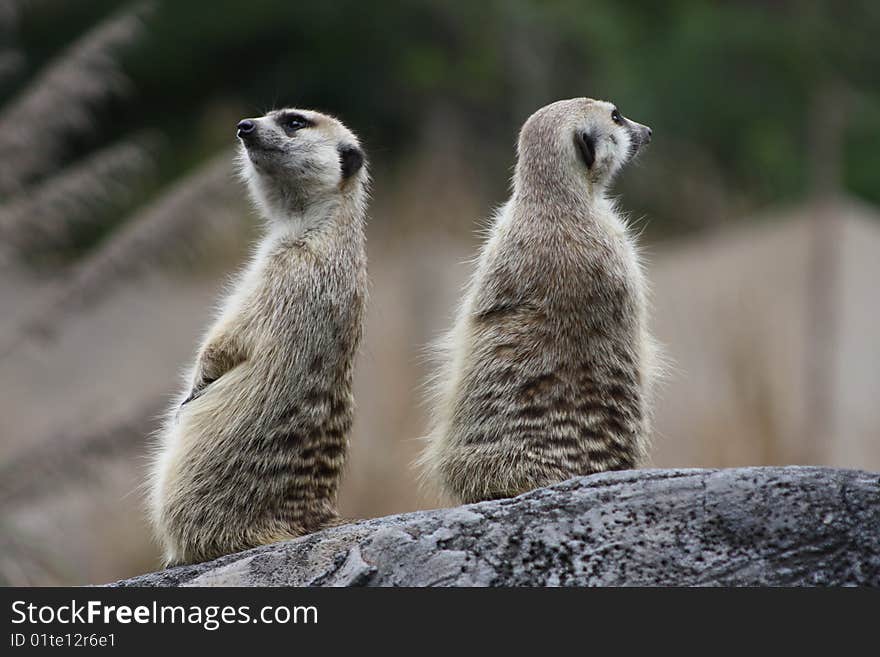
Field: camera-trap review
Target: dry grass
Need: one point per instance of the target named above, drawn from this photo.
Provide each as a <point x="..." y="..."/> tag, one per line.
<point x="48" y="215"/>
<point x="33" y="133"/>
<point x="178" y="225"/>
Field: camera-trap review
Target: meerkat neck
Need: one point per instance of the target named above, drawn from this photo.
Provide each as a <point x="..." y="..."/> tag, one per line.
<point x="318" y="220"/>
<point x="575" y="198"/>
<point x="564" y="189"/>
<point x="303" y="219"/>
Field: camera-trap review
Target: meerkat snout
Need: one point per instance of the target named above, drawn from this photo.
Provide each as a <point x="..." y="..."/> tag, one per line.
<point x="245" y="127"/>
<point x="640" y="135"/>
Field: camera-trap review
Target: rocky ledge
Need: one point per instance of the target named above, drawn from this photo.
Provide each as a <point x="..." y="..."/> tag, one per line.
<point x="780" y="526"/>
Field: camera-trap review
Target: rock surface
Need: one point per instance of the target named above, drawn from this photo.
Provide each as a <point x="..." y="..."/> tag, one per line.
<point x="746" y="526"/>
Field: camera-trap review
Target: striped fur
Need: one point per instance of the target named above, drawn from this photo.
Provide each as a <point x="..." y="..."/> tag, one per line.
<point x="253" y="449"/>
<point x="548" y="369"/>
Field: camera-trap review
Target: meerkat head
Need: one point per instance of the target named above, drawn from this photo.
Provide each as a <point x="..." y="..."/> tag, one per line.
<point x="293" y="159"/>
<point x="579" y="140"/>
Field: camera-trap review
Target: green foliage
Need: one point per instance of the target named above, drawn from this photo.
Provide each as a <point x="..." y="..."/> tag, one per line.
<point x="732" y="82"/>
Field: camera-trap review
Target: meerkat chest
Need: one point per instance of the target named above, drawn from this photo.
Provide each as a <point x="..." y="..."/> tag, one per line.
<point x="291" y="288"/>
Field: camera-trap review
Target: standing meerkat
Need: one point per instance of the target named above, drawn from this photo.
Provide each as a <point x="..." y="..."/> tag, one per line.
<point x="253" y="449"/>
<point x="547" y="371"/>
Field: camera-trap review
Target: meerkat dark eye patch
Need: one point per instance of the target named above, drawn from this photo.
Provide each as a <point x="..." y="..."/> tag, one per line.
<point x="290" y="122"/>
<point x="351" y="159"/>
<point x="586" y="144"/>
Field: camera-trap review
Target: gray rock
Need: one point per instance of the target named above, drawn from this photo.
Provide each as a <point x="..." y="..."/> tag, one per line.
<point x="745" y="526"/>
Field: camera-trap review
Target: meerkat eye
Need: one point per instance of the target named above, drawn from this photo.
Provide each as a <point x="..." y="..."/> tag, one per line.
<point x="293" y="122"/>
<point x="616" y="117"/>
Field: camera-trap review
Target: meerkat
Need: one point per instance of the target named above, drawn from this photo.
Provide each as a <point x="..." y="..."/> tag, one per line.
<point x="252" y="450"/>
<point x="547" y="371"/>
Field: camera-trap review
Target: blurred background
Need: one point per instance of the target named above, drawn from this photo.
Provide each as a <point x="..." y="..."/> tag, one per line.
<point x="758" y="205"/>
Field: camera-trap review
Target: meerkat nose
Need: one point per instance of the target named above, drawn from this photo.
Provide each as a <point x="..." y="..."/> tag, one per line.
<point x="649" y="135"/>
<point x="246" y="127"/>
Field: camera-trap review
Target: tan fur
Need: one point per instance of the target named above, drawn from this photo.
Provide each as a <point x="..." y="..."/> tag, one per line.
<point x="548" y="369"/>
<point x="252" y="451"/>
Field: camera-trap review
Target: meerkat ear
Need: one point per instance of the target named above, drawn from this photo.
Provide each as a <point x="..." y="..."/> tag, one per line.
<point x="351" y="159"/>
<point x="586" y="144"/>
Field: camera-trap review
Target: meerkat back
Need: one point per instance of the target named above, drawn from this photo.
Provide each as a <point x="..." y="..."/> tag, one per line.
<point x="253" y="449"/>
<point x="547" y="373"/>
